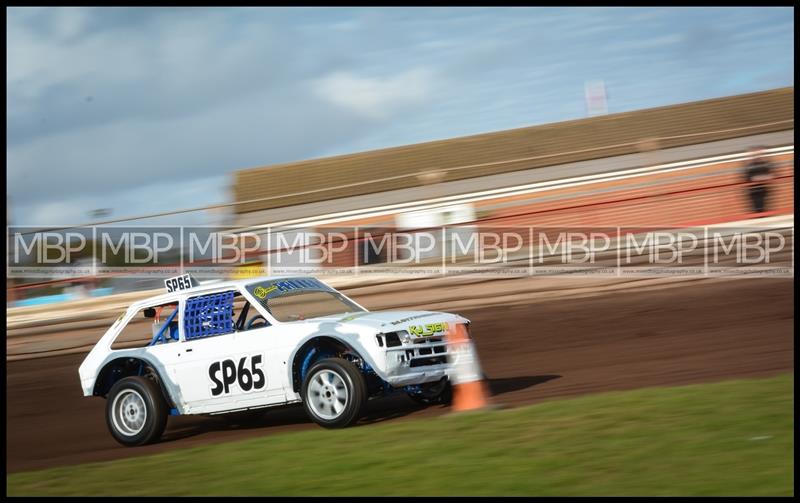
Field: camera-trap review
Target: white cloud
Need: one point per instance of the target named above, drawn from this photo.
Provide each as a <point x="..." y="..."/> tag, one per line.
<point x="349" y="25"/>
<point x="69" y="22"/>
<point x="36" y="62"/>
<point x="645" y="43"/>
<point x="241" y="133"/>
<point x="161" y="196"/>
<point x="374" y="97"/>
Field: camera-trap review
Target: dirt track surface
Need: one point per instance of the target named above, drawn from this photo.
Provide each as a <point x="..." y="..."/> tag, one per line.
<point x="703" y="331"/>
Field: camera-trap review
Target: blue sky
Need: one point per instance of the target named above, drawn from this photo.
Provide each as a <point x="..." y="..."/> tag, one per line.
<point x="151" y="109"/>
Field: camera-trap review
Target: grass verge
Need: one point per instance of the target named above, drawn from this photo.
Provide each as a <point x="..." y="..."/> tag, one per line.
<point x="728" y="438"/>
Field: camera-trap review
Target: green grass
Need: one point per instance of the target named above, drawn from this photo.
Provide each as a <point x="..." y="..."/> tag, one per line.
<point x="729" y="438"/>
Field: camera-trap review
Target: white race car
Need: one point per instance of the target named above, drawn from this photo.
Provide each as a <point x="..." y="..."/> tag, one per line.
<point x="240" y="345"/>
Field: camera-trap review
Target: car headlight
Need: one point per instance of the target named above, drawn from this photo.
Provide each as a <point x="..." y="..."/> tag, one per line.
<point x="394" y="339"/>
<point x="405" y="337"/>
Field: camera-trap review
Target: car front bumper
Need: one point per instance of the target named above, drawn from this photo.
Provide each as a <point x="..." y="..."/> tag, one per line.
<point x="428" y="362"/>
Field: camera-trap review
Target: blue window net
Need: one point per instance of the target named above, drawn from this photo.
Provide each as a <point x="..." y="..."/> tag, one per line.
<point x="209" y="315"/>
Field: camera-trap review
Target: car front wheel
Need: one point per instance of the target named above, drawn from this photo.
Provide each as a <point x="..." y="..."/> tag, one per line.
<point x="334" y="393"/>
<point x="136" y="412"/>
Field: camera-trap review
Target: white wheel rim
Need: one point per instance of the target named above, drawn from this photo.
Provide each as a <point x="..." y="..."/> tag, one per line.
<point x="128" y="412"/>
<point x="327" y="394"/>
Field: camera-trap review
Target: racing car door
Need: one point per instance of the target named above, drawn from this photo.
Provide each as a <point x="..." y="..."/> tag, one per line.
<point x="215" y="370"/>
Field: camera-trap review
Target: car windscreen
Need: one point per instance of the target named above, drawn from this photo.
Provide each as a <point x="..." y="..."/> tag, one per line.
<point x="300" y="299"/>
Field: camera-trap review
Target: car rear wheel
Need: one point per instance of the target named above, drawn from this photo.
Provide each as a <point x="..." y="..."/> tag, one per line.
<point x="136" y="413"/>
<point x="334" y="393"/>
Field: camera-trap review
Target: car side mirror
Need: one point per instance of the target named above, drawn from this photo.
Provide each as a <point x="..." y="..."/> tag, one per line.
<point x="150" y="312"/>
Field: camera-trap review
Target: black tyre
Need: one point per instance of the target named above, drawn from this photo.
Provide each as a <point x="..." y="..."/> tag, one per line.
<point x="136" y="412"/>
<point x="334" y="393"/>
<point x="433" y="393"/>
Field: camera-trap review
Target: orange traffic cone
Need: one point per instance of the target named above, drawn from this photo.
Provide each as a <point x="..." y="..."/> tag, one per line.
<point x="469" y="389"/>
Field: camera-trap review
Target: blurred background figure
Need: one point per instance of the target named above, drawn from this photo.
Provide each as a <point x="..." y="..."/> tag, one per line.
<point x="758" y="174"/>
